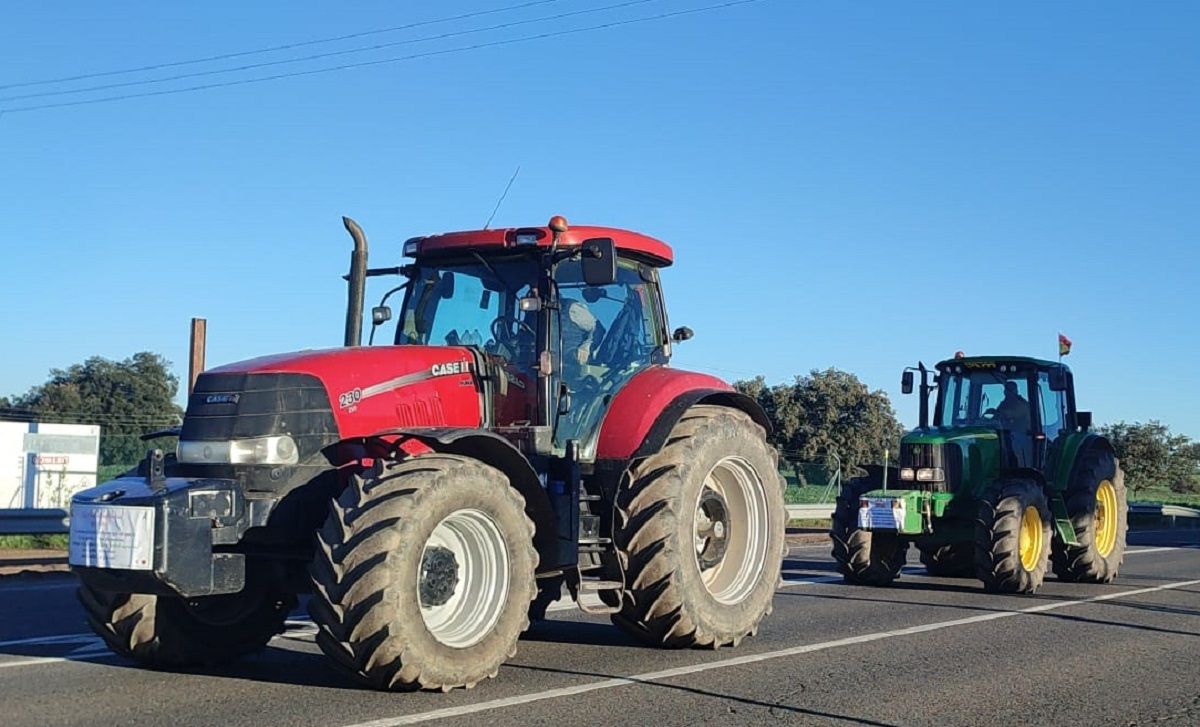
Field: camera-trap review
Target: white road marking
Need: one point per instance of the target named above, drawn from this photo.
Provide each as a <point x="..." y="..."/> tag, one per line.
<point x="743" y="660"/>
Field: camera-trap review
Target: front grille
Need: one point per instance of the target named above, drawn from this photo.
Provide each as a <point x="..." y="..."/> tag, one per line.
<point x="945" y="456"/>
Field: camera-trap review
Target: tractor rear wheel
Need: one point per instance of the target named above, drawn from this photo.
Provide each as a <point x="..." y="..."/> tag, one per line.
<point x="423" y="574"/>
<point x="171" y="633"/>
<point x="1098" y="508"/>
<point x="949" y="560"/>
<point x="1012" y="538"/>
<point x="700" y="533"/>
<point x="864" y="557"/>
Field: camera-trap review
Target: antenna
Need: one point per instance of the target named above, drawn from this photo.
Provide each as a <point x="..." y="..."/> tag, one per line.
<point x="503" y="194"/>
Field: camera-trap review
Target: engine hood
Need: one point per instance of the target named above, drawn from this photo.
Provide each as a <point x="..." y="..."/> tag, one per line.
<point x="368" y="388"/>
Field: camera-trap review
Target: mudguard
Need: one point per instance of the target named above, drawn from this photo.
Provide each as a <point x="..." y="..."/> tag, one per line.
<point x="646" y="409"/>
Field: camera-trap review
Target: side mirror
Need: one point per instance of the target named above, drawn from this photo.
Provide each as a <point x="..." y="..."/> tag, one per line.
<point x="599" y="261"/>
<point x="1058" y="379"/>
<point x="530" y="304"/>
<point x="906" y="382"/>
<point x="682" y="334"/>
<point x="447" y="285"/>
<point x="380" y="314"/>
<point x="1083" y="420"/>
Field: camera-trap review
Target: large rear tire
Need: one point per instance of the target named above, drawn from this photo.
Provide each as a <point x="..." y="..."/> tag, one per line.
<point x="701" y="532"/>
<point x="1012" y="538"/>
<point x="1099" y="510"/>
<point x="423" y="574"/>
<point x="864" y="557"/>
<point x="949" y="560"/>
<point x="174" y="633"/>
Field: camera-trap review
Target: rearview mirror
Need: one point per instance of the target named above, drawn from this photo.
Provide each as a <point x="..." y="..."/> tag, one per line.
<point x="1083" y="420"/>
<point x="1058" y="379"/>
<point x="906" y="382"/>
<point x="682" y="334"/>
<point x="380" y="314"/>
<point x="599" y="261"/>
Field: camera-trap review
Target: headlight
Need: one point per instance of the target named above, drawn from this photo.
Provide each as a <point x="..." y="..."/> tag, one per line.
<point x="931" y="474"/>
<point x="907" y="473"/>
<point x="259" y="450"/>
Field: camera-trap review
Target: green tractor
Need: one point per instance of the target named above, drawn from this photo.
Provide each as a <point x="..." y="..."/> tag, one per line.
<point x="1006" y="483"/>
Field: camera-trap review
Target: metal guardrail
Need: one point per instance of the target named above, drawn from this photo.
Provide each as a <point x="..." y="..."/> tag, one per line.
<point x="33" y="522"/>
<point x="820" y="511"/>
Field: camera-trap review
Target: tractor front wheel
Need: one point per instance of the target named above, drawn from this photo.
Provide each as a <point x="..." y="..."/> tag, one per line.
<point x="949" y="560"/>
<point x="864" y="557"/>
<point x="700" y="533"/>
<point x="167" y="632"/>
<point x="1012" y="538"/>
<point x="1098" y="508"/>
<point x="423" y="574"/>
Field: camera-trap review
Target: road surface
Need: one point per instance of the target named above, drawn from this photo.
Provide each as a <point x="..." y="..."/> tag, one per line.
<point x="929" y="651"/>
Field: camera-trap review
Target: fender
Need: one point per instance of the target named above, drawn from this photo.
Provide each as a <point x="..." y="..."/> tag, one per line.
<point x="494" y="450"/>
<point x="649" y="405"/>
<point x="1066" y="455"/>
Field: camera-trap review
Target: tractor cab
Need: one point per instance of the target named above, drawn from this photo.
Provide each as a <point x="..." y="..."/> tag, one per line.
<point x="558" y="318"/>
<point x="1029" y="403"/>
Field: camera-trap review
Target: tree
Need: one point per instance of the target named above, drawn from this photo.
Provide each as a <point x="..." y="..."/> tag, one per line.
<point x="828" y="412"/>
<point x="1154" y="457"/>
<point x="126" y="398"/>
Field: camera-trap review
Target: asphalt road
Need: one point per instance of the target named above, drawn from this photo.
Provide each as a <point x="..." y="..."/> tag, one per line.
<point x="929" y="651"/>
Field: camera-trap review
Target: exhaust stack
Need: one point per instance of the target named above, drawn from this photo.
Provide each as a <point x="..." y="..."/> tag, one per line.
<point x="357" y="284"/>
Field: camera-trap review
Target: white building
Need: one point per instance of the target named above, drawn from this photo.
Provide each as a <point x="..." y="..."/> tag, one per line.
<point x="43" y="465"/>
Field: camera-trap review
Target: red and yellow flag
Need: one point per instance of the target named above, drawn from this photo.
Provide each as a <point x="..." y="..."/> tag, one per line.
<point x="1064" y="345"/>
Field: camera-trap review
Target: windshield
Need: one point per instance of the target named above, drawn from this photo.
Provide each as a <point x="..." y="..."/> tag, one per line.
<point x="985" y="398"/>
<point x="472" y="304"/>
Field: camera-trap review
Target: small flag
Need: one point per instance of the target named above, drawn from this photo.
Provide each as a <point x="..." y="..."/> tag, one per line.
<point x="1064" y="345"/>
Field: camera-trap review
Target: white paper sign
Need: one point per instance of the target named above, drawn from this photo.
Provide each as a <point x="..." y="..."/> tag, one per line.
<point x="881" y="513"/>
<point x="112" y="536"/>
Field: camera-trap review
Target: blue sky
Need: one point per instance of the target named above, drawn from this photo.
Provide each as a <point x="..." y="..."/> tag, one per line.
<point x="855" y="185"/>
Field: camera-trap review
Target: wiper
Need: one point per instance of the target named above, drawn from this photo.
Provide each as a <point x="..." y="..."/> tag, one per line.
<point x="484" y="262"/>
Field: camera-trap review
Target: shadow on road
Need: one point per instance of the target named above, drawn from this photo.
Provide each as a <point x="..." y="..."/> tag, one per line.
<point x="770" y="706"/>
<point x="586" y="633"/>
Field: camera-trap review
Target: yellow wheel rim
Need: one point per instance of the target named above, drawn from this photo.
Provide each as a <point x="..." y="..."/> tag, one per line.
<point x="1105" y="519"/>
<point x="1029" y="542"/>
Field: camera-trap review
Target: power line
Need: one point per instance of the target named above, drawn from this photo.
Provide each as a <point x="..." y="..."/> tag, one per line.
<point x="398" y="59"/>
<point x="318" y="56"/>
<point x="272" y="49"/>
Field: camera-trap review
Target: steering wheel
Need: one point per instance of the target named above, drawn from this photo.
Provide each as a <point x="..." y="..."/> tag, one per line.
<point x="506" y="328"/>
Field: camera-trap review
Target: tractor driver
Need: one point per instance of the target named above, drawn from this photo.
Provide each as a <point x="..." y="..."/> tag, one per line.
<point x="1013" y="412"/>
<point x="578" y="335"/>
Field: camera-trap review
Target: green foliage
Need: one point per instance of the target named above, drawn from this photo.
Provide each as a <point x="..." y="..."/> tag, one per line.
<point x="1154" y="458"/>
<point x="33" y="542"/>
<point x="126" y="398"/>
<point x="828" y="412"/>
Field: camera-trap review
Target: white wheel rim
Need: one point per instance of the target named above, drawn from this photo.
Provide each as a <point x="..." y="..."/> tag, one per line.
<point x="481" y="569"/>
<point x="744" y="530"/>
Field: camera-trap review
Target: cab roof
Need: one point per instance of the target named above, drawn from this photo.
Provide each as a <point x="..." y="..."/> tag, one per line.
<point x="645" y="248"/>
<point x="989" y="361"/>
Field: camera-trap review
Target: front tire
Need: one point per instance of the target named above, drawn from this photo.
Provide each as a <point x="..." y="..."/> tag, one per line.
<point x="1099" y="510"/>
<point x="1012" y="538"/>
<point x="949" y="560"/>
<point x="424" y="574"/>
<point x="701" y="533"/>
<point x="166" y="632"/>
<point x="864" y="557"/>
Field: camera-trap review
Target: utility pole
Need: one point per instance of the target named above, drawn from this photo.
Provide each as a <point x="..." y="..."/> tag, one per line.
<point x="196" y="352"/>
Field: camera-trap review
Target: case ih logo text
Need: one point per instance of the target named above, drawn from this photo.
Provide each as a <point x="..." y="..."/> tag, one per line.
<point x="453" y="367"/>
<point x="222" y="398"/>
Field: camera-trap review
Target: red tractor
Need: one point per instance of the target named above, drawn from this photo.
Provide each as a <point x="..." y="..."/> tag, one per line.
<point x="520" y="431"/>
